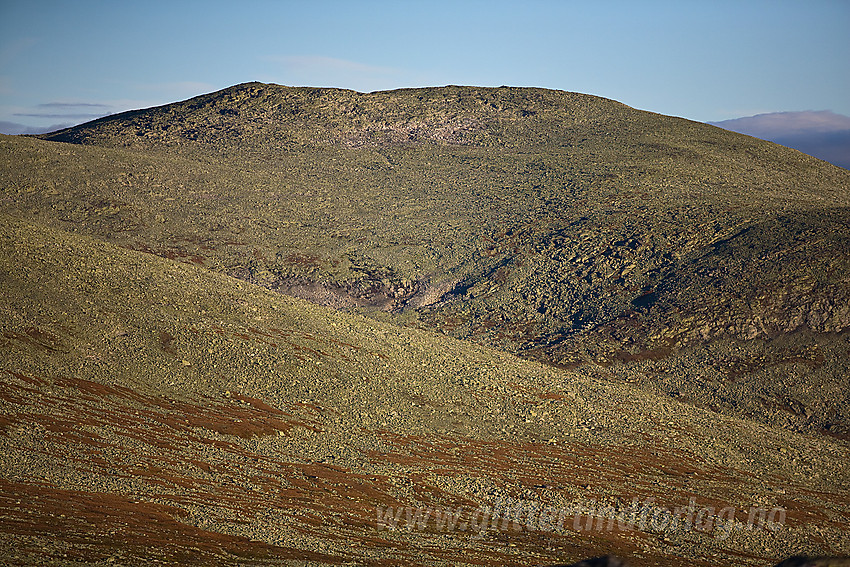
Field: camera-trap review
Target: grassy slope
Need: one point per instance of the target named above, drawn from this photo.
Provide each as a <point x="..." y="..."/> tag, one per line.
<point x="687" y="260"/>
<point x="154" y="410"/>
<point x="566" y="228"/>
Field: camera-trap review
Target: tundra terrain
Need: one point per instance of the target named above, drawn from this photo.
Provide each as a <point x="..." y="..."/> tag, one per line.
<point x="446" y="326"/>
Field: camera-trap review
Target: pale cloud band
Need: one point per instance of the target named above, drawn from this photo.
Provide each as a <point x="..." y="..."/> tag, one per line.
<point x="319" y="70"/>
<point x="823" y="134"/>
<point x="322" y="63"/>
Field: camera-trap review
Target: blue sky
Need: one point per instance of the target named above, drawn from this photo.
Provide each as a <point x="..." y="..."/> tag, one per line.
<point x="65" y="62"/>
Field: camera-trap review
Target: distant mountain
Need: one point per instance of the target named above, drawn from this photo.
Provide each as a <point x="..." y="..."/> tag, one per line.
<point x="822" y="134"/>
<point x="13" y="128"/>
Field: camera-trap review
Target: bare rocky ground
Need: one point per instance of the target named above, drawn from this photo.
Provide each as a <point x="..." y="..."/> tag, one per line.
<point x="677" y="296"/>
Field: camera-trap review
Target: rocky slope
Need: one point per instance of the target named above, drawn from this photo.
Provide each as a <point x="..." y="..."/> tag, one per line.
<point x="564" y="228"/>
<point x="154" y="411"/>
<point x="679" y="294"/>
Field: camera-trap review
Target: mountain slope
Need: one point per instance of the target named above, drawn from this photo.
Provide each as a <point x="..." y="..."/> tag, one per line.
<point x="562" y="227"/>
<point x="157" y="411"/>
<point x="685" y="287"/>
<point x="822" y="134"/>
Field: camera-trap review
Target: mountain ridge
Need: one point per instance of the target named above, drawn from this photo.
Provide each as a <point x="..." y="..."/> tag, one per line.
<point x="577" y="247"/>
<point x="646" y="307"/>
<point x="273" y="101"/>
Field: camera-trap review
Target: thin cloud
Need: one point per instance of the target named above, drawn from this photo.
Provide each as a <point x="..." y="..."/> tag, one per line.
<point x="176" y="88"/>
<point x="319" y="70"/>
<point x="57" y="115"/>
<point x="73" y="110"/>
<point x="320" y="62"/>
<point x="73" y="105"/>
<point x="157" y="94"/>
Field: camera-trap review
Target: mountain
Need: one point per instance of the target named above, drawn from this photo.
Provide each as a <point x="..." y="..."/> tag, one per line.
<point x="337" y="290"/>
<point x="822" y="134"/>
<point x="13" y="128"/>
<point x="564" y="228"/>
